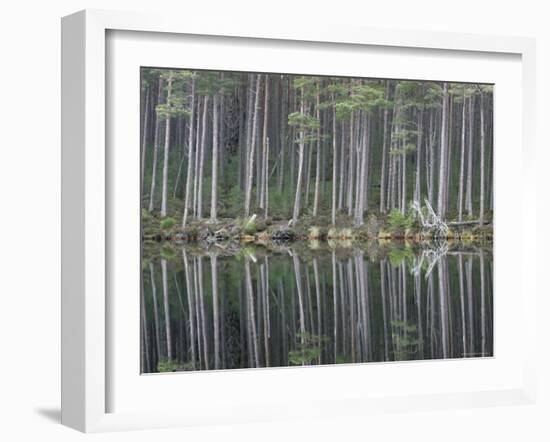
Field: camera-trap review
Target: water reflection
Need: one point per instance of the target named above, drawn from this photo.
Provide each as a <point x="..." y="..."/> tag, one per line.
<point x="254" y="307"/>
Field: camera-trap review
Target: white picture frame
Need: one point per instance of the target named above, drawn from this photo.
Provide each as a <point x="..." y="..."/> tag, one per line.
<point x="86" y="357"/>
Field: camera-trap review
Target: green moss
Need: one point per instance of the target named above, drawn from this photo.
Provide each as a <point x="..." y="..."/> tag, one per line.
<point x="167" y="365"/>
<point x="167" y="223"/>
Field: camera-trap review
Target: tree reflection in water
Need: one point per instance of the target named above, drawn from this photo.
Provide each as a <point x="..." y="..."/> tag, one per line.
<point x="254" y="307"/>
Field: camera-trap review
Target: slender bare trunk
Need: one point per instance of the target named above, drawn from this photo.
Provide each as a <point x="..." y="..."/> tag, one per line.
<point x="201" y="157"/>
<point x="266" y="175"/>
<point x="197" y="156"/>
<point x="251" y="315"/>
<point x="191" y="307"/>
<point x="166" y="308"/>
<point x="263" y="186"/>
<point x="215" y="148"/>
<point x="190" y="151"/>
<point x="351" y="166"/>
<point x="251" y="149"/>
<point x="298" y="194"/>
<point x="462" y="154"/>
<point x="334" y="161"/>
<point x="318" y="157"/>
<point x="383" y="167"/>
<point x="145" y="132"/>
<point x="164" y="204"/>
<point x="418" y="180"/>
<point x="155" y="309"/>
<point x="155" y="150"/>
<point x="482" y="161"/>
<point x="215" y="308"/>
<point x="443" y="155"/>
<point x="469" y="175"/>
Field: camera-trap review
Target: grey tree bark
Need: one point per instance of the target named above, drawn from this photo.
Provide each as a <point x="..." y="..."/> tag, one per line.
<point x="166" y="309"/>
<point x="190" y="145"/>
<point x="482" y="160"/>
<point x="155" y="150"/>
<point x="318" y="157"/>
<point x="215" y="149"/>
<point x="298" y="194"/>
<point x="201" y="157"/>
<point x="443" y="155"/>
<point x="462" y="154"/>
<point x="145" y="132"/>
<point x="251" y="149"/>
<point x="164" y="203"/>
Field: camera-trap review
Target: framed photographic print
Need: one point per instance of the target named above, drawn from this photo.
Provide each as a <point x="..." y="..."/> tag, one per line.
<point x="249" y="215"/>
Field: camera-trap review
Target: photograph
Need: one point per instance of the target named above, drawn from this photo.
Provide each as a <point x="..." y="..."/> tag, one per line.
<point x="293" y="220"/>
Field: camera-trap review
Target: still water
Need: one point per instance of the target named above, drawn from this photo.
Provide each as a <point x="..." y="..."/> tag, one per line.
<point x="311" y="304"/>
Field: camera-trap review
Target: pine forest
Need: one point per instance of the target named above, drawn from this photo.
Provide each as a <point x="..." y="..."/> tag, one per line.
<point x="307" y="220"/>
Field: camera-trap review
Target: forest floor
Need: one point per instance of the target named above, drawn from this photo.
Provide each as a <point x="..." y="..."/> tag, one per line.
<point x="258" y="230"/>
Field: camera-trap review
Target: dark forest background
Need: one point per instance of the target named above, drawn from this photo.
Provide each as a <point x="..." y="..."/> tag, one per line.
<point x="230" y="144"/>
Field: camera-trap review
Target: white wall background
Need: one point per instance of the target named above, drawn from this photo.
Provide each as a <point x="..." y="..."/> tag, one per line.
<point x="30" y="215"/>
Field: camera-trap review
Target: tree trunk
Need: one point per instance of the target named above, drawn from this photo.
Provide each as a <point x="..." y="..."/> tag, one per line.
<point x="482" y="160"/>
<point x="155" y="150"/>
<point x="462" y="153"/>
<point x="469" y="175"/>
<point x="351" y="166"/>
<point x="251" y="150"/>
<point x="215" y="308"/>
<point x="298" y="194"/>
<point x="342" y="167"/>
<point x="431" y="169"/>
<point x="215" y="148"/>
<point x="334" y="162"/>
<point x="189" y="155"/>
<point x="166" y="309"/>
<point x="418" y="180"/>
<point x="266" y="174"/>
<point x="443" y="156"/>
<point x="155" y="310"/>
<point x="383" y="167"/>
<point x="201" y="157"/>
<point x="190" y="306"/>
<point x="164" y="205"/>
<point x="265" y="165"/>
<point x="196" y="158"/>
<point x="318" y="157"/>
<point x="145" y="132"/>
